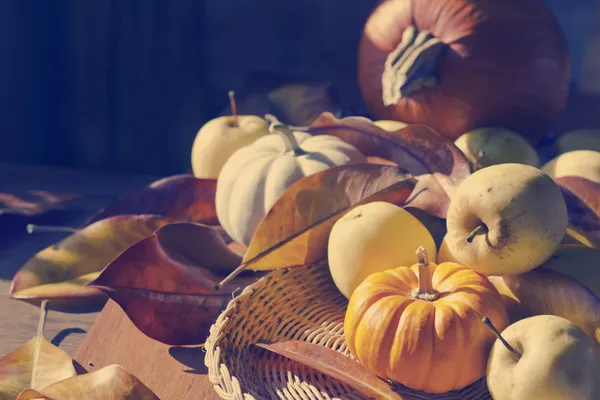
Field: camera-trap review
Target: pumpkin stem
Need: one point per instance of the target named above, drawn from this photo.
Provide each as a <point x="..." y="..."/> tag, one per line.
<point x="491" y="326"/>
<point x="286" y="134"/>
<point x="480" y="230"/>
<point x="411" y="66"/>
<point x="234" y="121"/>
<point x="425" y="290"/>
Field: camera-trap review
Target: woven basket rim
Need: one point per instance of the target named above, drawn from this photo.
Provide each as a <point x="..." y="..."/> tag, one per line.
<point x="223" y="382"/>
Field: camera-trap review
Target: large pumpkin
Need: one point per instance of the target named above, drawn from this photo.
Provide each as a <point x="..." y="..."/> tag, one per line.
<point x="456" y="65"/>
<point x="421" y="325"/>
<point x="254" y="177"/>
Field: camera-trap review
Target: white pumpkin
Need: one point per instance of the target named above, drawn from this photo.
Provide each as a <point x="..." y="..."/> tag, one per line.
<point x="254" y="177"/>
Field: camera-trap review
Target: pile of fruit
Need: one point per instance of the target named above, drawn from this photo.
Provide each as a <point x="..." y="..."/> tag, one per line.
<point x="463" y="250"/>
<point x="509" y="266"/>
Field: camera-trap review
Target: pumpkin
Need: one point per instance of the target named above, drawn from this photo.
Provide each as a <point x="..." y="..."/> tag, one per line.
<point x="254" y="177"/>
<point x="422" y="326"/>
<point x="457" y="65"/>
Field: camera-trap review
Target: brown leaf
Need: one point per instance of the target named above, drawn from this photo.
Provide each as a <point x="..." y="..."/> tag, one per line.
<point x="544" y="291"/>
<point x="438" y="164"/>
<point x="17" y="371"/>
<point x="180" y="197"/>
<point x="60" y="272"/>
<point x="295" y="230"/>
<point x="583" y="203"/>
<point x="32" y="203"/>
<point x="109" y="383"/>
<point x="335" y="365"/>
<point x="575" y="235"/>
<point x="166" y="282"/>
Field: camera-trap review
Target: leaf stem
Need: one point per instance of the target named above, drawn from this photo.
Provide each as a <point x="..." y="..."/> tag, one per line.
<point x="491" y="326"/>
<point x="234" y="113"/>
<point x="38" y="341"/>
<point x="231" y="276"/>
<point x="33" y="228"/>
<point x="286" y="133"/>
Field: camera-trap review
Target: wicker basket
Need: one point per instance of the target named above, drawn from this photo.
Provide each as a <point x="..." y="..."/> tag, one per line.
<point x="289" y="304"/>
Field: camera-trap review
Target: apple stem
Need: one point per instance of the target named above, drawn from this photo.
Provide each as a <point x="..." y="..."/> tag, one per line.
<point x="480" y="230"/>
<point x="233" y="105"/>
<point x="425" y="290"/>
<point x="491" y="326"/>
<point x="286" y="133"/>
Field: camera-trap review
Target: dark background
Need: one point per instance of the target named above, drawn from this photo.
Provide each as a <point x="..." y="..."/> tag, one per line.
<point x="124" y="85"/>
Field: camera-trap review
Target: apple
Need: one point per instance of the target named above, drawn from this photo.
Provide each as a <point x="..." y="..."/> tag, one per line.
<point x="581" y="163"/>
<point x="490" y="146"/>
<point x="374" y="237"/>
<point x="219" y="138"/>
<point x="581" y="139"/>
<point x="505" y="219"/>
<point x="444" y="253"/>
<point x="544" y="357"/>
<point x="390" y="125"/>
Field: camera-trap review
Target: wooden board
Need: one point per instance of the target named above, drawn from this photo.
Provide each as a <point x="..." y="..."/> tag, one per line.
<point x="171" y="372"/>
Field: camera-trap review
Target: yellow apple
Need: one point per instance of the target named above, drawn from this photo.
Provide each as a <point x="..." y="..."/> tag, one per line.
<point x="219" y="138"/>
<point x="544" y="358"/>
<point x="374" y="237"/>
<point x="390" y="125"/>
<point x="444" y="253"/>
<point x="582" y="163"/>
<point x="505" y="219"/>
<point x="490" y="146"/>
<point x="581" y="139"/>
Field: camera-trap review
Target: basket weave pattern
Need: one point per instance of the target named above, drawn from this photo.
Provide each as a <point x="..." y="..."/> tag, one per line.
<point x="289" y="304"/>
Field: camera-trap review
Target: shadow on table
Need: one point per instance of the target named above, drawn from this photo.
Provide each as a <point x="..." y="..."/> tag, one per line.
<point x="62" y="335"/>
<point x="192" y="357"/>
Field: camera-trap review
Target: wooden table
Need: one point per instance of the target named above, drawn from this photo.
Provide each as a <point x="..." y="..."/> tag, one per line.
<point x="158" y="363"/>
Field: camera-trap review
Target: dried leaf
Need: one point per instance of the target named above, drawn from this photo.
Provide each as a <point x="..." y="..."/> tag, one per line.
<point x="583" y="203"/>
<point x="17" y="367"/>
<point x="335" y="365"/>
<point x="108" y="383"/>
<point x="438" y="164"/>
<point x="180" y="197"/>
<point x="166" y="282"/>
<point x="32" y="203"/>
<point x="527" y="294"/>
<point x="574" y="235"/>
<point x="302" y="103"/>
<point x="60" y="272"/>
<point x="296" y="229"/>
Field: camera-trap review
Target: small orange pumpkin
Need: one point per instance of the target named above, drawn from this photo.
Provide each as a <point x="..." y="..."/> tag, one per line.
<point x="421" y="325"/>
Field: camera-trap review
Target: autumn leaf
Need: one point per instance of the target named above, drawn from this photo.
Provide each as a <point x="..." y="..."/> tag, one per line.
<point x="180" y="197"/>
<point x="296" y="228"/>
<point x="108" y="383"/>
<point x="60" y="272"/>
<point x="335" y="365"/>
<point x="582" y="197"/>
<point x="166" y="282"/>
<point x="437" y="163"/>
<point x="36" y="364"/>
<point x="33" y="203"/>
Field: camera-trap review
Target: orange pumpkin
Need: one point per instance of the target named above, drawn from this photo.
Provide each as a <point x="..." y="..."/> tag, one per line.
<point x="421" y="325"/>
